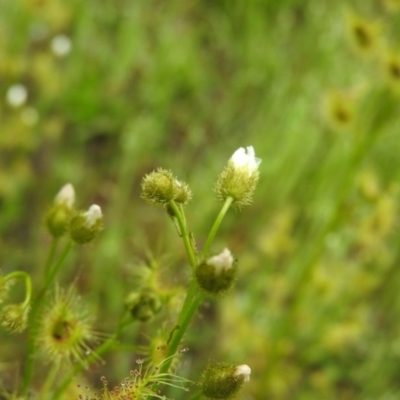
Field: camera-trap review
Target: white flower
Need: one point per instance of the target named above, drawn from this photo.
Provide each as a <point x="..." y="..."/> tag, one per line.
<point x="61" y="45"/>
<point x="66" y="196"/>
<point x="243" y="159"/>
<point x="16" y="95"/>
<point x="93" y="215"/>
<point x="243" y="371"/>
<point x="221" y="262"/>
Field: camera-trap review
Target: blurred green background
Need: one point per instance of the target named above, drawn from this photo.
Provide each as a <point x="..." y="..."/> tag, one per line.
<point x="117" y="88"/>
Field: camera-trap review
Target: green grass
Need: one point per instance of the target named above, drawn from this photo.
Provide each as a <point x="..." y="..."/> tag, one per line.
<point x="181" y="85"/>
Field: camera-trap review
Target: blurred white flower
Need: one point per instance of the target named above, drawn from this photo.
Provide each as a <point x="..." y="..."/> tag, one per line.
<point x="66" y="196"/>
<point x="246" y="159"/>
<point x="61" y="45"/>
<point x="221" y="262"/>
<point x="244" y="371"/>
<point x="93" y="215"/>
<point x="16" y="95"/>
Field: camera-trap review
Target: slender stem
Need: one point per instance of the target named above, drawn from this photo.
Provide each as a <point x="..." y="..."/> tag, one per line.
<point x="53" y="272"/>
<point x="196" y="396"/>
<point x="188" y="300"/>
<point x="50" y="256"/>
<point x="193" y="297"/>
<point x="192" y="301"/>
<point x="49" y="381"/>
<point x="28" y="284"/>
<point x="37" y="302"/>
<point x="185" y="235"/>
<point x="217" y="223"/>
<point x="103" y="348"/>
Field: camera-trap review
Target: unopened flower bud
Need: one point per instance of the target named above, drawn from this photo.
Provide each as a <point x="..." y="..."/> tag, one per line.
<point x="143" y="305"/>
<point x="217" y="274"/>
<point x="239" y="178"/>
<point x="160" y="187"/>
<point x="85" y="226"/>
<point x="245" y="159"/>
<point x="66" y="196"/>
<point x="14" y="317"/>
<point x="221" y="381"/>
<point x="182" y="192"/>
<point x="93" y="215"/>
<point x="59" y="216"/>
<point x="243" y="371"/>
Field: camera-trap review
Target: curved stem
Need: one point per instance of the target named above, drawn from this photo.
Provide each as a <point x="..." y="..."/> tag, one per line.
<point x="28" y="284"/>
<point x="217" y="223"/>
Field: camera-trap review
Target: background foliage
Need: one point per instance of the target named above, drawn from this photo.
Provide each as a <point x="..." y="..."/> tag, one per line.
<point x="181" y="85"/>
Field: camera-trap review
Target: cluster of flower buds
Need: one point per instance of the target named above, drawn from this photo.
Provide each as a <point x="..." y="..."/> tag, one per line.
<point x="144" y="304"/>
<point x="83" y="226"/>
<point x="239" y="178"/>
<point x="160" y="188"/>
<point x="217" y="274"/>
<point x="221" y="381"/>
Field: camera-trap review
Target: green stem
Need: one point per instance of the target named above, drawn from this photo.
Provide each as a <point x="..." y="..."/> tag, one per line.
<point x="28" y="284"/>
<point x="193" y="297"/>
<point x="192" y="301"/>
<point x="188" y="300"/>
<point x="53" y="272"/>
<point x="37" y="302"/>
<point x="196" y="396"/>
<point x="217" y="223"/>
<point x="103" y="348"/>
<point x="51" y="376"/>
<point x="50" y="256"/>
<point x="179" y="214"/>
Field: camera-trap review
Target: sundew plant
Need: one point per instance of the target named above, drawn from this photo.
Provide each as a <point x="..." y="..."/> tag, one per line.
<point x="61" y="330"/>
<point x="199" y="200"/>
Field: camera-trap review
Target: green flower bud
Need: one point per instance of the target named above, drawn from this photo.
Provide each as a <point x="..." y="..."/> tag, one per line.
<point x="221" y="381"/>
<point x="85" y="226"/>
<point x="59" y="216"/>
<point x="217" y="274"/>
<point x="161" y="187"/>
<point x="239" y="178"/>
<point x="182" y="192"/>
<point x="143" y="305"/>
<point x="14" y="317"/>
